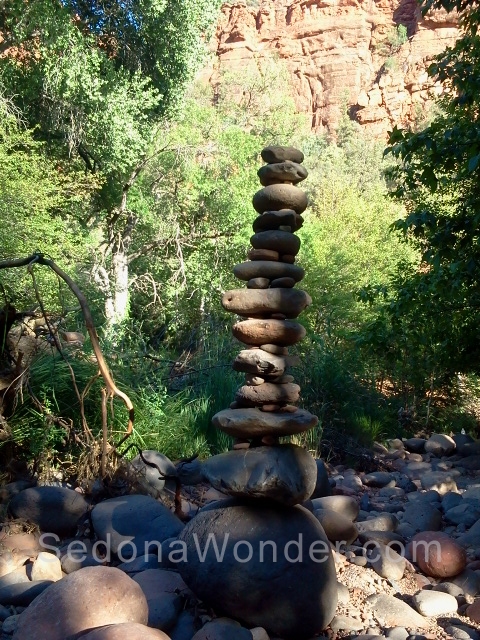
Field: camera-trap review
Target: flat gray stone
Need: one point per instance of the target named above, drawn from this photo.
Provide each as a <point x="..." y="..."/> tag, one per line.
<point x="392" y="612"/>
<point x="423" y="517"/>
<point x="434" y="603"/>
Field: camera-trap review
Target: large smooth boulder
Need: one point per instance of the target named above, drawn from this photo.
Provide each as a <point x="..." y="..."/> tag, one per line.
<point x="439" y="444"/>
<point x="292" y="594"/>
<point x="285" y="473"/>
<point x="163" y="591"/>
<point x="54" y="509"/>
<point x="130" y="523"/>
<point x="89" y="598"/>
<point x="286" y="171"/>
<point x="278" y="153"/>
<point x="280" y="196"/>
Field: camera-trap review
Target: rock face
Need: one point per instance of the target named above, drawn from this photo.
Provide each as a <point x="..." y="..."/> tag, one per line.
<point x="337" y="51"/>
<point x="298" y="598"/>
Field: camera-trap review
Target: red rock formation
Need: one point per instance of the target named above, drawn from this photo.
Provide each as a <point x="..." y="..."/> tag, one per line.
<point x="342" y="50"/>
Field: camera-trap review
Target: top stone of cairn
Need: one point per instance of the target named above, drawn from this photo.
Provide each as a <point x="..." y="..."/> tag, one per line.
<point x="280" y="154"/>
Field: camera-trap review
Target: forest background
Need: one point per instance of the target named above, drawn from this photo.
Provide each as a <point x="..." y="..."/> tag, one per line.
<point x="137" y="180"/>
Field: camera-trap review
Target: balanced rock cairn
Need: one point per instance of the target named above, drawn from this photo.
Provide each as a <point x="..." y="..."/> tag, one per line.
<point x="292" y="597"/>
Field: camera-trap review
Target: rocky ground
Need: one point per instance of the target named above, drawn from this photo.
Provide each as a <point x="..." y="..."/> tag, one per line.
<point x="68" y="585"/>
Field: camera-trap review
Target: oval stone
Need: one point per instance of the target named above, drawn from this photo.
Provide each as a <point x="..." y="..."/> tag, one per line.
<point x="280" y="196"/>
<point x="263" y="254"/>
<point x="268" y="393"/>
<point x="277" y="153"/>
<point x="251" y="423"/>
<point x="271" y="220"/>
<point x="282" y="283"/>
<point x="258" y="283"/>
<point x="283" y="242"/>
<point x="287" y="171"/>
<point x="258" y="361"/>
<point x="290" y="599"/>
<point x="285" y="473"/>
<point x="267" y="269"/>
<point x="263" y="302"/>
<point x="257" y="332"/>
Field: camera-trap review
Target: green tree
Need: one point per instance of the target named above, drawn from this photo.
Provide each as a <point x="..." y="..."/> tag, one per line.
<point x="101" y="80"/>
<point x="432" y="310"/>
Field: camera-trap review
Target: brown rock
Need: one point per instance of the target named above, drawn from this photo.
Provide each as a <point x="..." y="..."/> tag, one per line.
<point x="252" y="423"/>
<point x="253" y="381"/>
<point x="127" y="631"/>
<point x="258" y="361"/>
<point x="437" y="554"/>
<point x="281" y="241"/>
<point x="277" y="153"/>
<point x="264" y="302"/>
<point x="88" y="598"/>
<point x="258" y="283"/>
<point x="287" y="171"/>
<point x="473" y="611"/>
<point x="267" y="269"/>
<point x="274" y="348"/>
<point x="336" y="526"/>
<point x="271" y="408"/>
<point x="271" y="220"/>
<point x="268" y="393"/>
<point x="257" y="332"/>
<point x="263" y="254"/>
<point x="282" y="283"/>
<point x="280" y="196"/>
<point x="288" y="259"/>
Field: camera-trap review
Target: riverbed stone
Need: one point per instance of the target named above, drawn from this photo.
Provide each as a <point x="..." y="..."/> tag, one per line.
<point x="439" y="444"/>
<point x="163" y="590"/>
<point x="251" y="422"/>
<point x="130" y="522"/>
<point x="263" y="254"/>
<point x="258" y="332"/>
<point x="268" y="393"/>
<point x="263" y="363"/>
<point x="286" y="171"/>
<point x="378" y="479"/>
<point x="54" y="509"/>
<point x="150" y="478"/>
<point x="46" y="566"/>
<point x="386" y="562"/>
<point x="437" y="554"/>
<point x="223" y="629"/>
<point x="276" y="240"/>
<point x="267" y="269"/>
<point x="423" y="517"/>
<point x="434" y="603"/>
<point x="345" y="505"/>
<point x="337" y="527"/>
<point x="280" y="196"/>
<point x="271" y="220"/>
<point x="260" y="302"/>
<point x="285" y="473"/>
<point x="278" y="153"/>
<point x="392" y="612"/>
<point x="289" y="599"/>
<point x="89" y="598"/>
<point x="21" y="594"/>
<point x="125" y="631"/>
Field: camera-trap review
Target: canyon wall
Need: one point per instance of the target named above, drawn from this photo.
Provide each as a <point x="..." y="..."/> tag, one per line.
<point x="338" y="51"/>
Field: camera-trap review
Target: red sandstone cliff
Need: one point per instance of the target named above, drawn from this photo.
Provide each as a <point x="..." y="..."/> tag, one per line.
<point x="337" y="49"/>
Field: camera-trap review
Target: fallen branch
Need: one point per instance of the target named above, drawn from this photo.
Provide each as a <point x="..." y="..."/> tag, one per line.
<point x="111" y="388"/>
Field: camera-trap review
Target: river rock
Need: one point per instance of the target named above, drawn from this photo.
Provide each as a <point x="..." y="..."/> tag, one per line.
<point x="285" y="473"/>
<point x="287" y="171"/>
<point x="163" y="591"/>
<point x="130" y="523"/>
<point x="258" y="283"/>
<point x="440" y="481"/>
<point x="271" y="220"/>
<point x="251" y="423"/>
<point x="150" y="478"/>
<point x="439" y="444"/>
<point x="423" y="517"/>
<point x="267" y="269"/>
<point x="392" y="612"/>
<point x="378" y="479"/>
<point x="258" y="332"/>
<point x="89" y="598"/>
<point x="126" y="631"/>
<point x="54" y="509"/>
<point x="337" y="527"/>
<point x="259" y="302"/>
<point x="268" y="393"/>
<point x="434" y="603"/>
<point x="289" y="598"/>
<point x="344" y="505"/>
<point x="282" y="283"/>
<point x="276" y="153"/>
<point x="473" y="611"/>
<point x="437" y="554"/>
<point x="384" y="522"/>
<point x="21" y="594"/>
<point x="263" y="254"/>
<point x="280" y="196"/>
<point x="223" y="629"/>
<point x="322" y="486"/>
<point x="415" y="445"/>
<point x="46" y="566"/>
<point x="386" y="562"/>
<point x="281" y="241"/>
<point x="472" y="537"/>
<point x="263" y="363"/>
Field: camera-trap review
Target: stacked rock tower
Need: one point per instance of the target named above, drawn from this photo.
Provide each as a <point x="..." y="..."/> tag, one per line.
<point x="292" y="597"/>
<point x="264" y="407"/>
